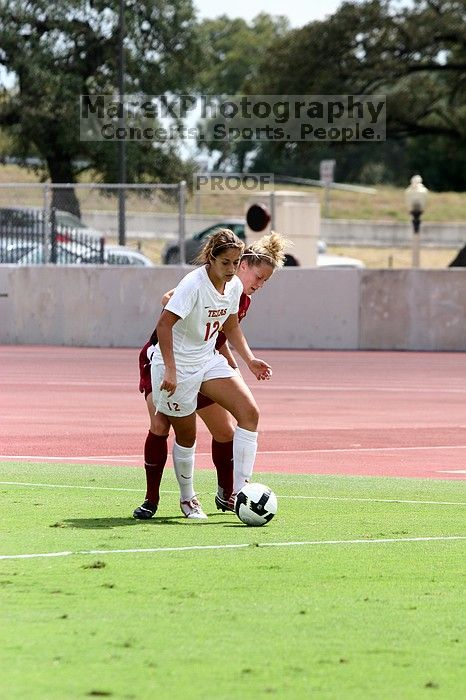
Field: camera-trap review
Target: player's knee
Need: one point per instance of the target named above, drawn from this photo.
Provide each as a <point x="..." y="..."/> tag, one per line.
<point x="185" y="439"/>
<point x="185" y="434"/>
<point x="249" y="417"/>
<point x="223" y="433"/>
<point x="159" y="424"/>
<point x="159" y="427"/>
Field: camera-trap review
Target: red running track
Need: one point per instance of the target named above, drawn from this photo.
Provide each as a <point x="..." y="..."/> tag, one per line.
<point x="323" y="412"/>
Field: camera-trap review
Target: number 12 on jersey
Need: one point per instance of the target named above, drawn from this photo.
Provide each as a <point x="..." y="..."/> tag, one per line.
<point x="211" y="329"/>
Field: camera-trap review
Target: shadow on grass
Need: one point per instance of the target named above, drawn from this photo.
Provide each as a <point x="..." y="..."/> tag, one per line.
<point x="110" y="523"/>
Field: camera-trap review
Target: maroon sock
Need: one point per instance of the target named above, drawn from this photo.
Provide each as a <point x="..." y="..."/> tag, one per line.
<point x="222" y="457"/>
<point x="155" y="457"/>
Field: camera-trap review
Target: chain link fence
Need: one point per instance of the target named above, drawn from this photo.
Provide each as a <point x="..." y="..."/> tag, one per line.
<point x="33" y="236"/>
<point x="148" y="217"/>
<point x="124" y="214"/>
<point x="153" y="218"/>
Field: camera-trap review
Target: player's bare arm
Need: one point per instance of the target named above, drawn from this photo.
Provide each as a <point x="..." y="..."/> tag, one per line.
<point x="165" y="336"/>
<point x="225" y="350"/>
<point x="167" y="296"/>
<point x="234" y="334"/>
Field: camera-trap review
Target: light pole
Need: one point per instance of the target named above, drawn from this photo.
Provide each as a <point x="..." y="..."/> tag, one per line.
<point x="121" y="124"/>
<point x="416" y="196"/>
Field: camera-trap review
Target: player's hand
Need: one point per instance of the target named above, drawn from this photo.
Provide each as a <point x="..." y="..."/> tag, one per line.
<point x="169" y="382"/>
<point x="261" y="369"/>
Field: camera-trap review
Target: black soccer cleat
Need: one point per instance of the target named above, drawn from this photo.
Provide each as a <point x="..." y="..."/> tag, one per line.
<point x="146" y="511"/>
<point x="224" y="505"/>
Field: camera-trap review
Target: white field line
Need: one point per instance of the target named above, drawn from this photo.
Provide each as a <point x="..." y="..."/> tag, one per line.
<point x="311" y="498"/>
<point x="452" y="471"/>
<point x="331" y="450"/>
<point x="377" y="500"/>
<point x="73" y="458"/>
<point x="364" y="449"/>
<point x="154" y="550"/>
<point x="366" y="388"/>
<point x="74" y="486"/>
<point x="279" y="387"/>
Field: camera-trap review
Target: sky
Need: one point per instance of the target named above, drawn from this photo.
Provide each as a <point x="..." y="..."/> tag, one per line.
<point x="299" y="12"/>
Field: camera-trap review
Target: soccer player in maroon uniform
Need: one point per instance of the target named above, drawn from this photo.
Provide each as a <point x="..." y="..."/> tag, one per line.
<point x="258" y="263"/>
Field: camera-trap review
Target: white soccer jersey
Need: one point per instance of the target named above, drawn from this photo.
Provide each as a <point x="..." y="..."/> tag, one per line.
<point x="203" y="311"/>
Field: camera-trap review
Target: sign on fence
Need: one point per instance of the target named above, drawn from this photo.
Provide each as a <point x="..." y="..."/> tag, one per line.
<point x="327" y="169"/>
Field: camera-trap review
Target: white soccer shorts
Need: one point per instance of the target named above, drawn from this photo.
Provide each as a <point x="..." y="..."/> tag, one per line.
<point x="189" y="379"/>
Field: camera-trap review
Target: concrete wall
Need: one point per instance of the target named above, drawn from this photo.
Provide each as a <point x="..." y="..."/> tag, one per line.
<point x="413" y="310"/>
<point x="306" y="308"/>
<point x="81" y="305"/>
<point x="298" y="308"/>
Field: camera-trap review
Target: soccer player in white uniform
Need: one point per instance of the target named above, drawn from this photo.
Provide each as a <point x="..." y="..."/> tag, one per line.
<point x="185" y="362"/>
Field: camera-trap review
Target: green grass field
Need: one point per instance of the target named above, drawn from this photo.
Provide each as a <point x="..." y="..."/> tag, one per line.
<point x="335" y="598"/>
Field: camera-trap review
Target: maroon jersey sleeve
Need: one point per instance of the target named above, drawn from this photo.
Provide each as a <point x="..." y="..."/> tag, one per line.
<point x="145" y="382"/>
<point x="244" y="302"/>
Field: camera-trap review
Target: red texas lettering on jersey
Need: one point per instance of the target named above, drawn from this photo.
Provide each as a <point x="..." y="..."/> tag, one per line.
<point x="214" y="313"/>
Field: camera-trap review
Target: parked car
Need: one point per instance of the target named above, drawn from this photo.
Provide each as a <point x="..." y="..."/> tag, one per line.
<point x="460" y="259"/>
<point x="120" y="255"/>
<point x="12" y="249"/>
<point x="325" y="260"/>
<point x="24" y="221"/>
<point x="23" y="235"/>
<point x="76" y="254"/>
<point x="66" y="254"/>
<point x="20" y="221"/>
<point x="171" y="252"/>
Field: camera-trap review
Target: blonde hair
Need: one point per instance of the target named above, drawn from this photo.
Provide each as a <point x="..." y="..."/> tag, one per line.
<point x="269" y="249"/>
<point x="223" y="239"/>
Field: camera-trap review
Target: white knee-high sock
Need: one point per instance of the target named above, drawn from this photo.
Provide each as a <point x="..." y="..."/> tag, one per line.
<point x="244" y="455"/>
<point x="183" y="463"/>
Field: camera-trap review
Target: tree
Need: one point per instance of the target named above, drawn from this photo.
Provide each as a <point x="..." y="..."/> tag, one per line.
<point x="232" y="53"/>
<point x="58" y="51"/>
<point x="233" y="50"/>
<point x="414" y="54"/>
<point x="417" y="55"/>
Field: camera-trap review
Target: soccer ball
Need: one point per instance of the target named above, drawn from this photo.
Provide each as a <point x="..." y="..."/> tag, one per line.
<point x="256" y="504"/>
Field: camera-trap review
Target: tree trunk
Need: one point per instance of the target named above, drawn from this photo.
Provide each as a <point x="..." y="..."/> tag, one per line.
<point x="63" y="197"/>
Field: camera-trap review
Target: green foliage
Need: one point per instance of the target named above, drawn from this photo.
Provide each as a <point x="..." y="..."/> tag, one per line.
<point x="6" y="144"/>
<point x="415" y="54"/>
<point x="440" y="160"/>
<point x="58" y="51"/>
<point x="233" y="50"/>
